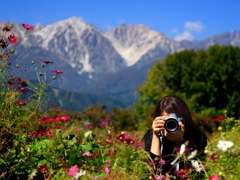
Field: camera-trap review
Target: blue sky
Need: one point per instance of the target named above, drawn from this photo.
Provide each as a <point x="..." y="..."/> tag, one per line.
<point x="177" y="19"/>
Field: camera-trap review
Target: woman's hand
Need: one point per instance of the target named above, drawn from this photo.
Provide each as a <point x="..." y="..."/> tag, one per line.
<point x="158" y="125"/>
<point x="176" y="136"/>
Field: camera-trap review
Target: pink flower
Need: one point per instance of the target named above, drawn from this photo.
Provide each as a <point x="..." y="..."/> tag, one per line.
<point x="57" y="72"/>
<point x="6" y="28"/>
<point x="13" y="39"/>
<point x="21" y="103"/>
<point x="214" y="177"/>
<point x="22" y="82"/>
<point x="73" y="170"/>
<point x="86" y="153"/>
<point x="108" y="140"/>
<point x="103" y="124"/>
<point x="22" y="90"/>
<point x="46" y="62"/>
<point x="158" y="177"/>
<point x="64" y="117"/>
<point x="28" y="27"/>
<point x="218" y="119"/>
<point x="161" y="161"/>
<point x="46" y="119"/>
<point x="107" y="170"/>
<point x="42" y="168"/>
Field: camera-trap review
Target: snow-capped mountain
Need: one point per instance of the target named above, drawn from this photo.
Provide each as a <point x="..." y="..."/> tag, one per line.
<point x="81" y="45"/>
<point x="136" y="42"/>
<point x="89" y="56"/>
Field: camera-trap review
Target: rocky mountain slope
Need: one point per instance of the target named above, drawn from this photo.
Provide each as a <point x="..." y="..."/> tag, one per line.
<point x="111" y="64"/>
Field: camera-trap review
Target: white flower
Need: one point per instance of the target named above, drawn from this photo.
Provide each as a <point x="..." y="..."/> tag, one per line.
<point x="78" y="174"/>
<point x="197" y="165"/>
<point x="182" y="149"/>
<point x="193" y="154"/>
<point x="224" y="145"/>
<point x="88" y="133"/>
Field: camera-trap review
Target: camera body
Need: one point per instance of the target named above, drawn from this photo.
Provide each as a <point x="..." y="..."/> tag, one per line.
<point x="172" y="123"/>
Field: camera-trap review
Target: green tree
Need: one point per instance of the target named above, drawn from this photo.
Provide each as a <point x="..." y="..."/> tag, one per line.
<point x="209" y="81"/>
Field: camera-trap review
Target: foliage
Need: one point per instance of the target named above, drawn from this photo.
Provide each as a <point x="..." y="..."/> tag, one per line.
<point x="41" y="142"/>
<point x="207" y="80"/>
<point x="224" y="149"/>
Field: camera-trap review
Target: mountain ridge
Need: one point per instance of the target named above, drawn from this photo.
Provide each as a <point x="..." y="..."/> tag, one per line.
<point x="97" y="62"/>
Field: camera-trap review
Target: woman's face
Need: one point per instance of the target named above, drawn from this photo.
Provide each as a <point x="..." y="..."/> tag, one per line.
<point x="164" y="113"/>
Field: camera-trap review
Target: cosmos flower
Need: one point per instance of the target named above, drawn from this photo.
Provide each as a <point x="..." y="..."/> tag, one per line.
<point x="73" y="170"/>
<point x="88" y="133"/>
<point x="218" y="119"/>
<point x="224" y="145"/>
<point x="80" y="173"/>
<point x="21" y="103"/>
<point x="28" y="27"/>
<point x="42" y="168"/>
<point x="107" y="170"/>
<point x="57" y="72"/>
<point x="13" y="39"/>
<point x="6" y="28"/>
<point x="197" y="165"/>
<point x="214" y="177"/>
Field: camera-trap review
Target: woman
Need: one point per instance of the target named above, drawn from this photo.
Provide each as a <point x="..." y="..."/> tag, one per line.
<point x="162" y="144"/>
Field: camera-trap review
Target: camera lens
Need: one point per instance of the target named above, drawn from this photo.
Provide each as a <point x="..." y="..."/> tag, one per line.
<point x="171" y="125"/>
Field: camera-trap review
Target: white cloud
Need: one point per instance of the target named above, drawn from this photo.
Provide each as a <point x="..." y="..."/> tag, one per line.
<point x="190" y="29"/>
<point x="194" y="26"/>
<point x="186" y="35"/>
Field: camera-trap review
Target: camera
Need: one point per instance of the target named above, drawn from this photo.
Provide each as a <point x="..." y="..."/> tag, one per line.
<point x="172" y="123"/>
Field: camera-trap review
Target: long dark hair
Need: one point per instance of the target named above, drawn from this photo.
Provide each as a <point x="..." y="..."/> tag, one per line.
<point x="174" y="104"/>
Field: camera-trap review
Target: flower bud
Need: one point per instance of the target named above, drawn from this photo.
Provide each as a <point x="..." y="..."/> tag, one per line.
<point x="17" y="66"/>
<point x="219" y="128"/>
<point x="54" y="77"/>
<point x="40" y="74"/>
<point x="33" y="62"/>
<point x="12" y="51"/>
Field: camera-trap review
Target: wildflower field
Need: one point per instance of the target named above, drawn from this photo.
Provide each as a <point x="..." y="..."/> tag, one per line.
<point x="40" y="142"/>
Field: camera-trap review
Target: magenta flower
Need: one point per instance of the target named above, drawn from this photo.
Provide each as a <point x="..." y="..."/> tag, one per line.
<point x="161" y="161"/>
<point x="41" y="131"/>
<point x="46" y="62"/>
<point x="219" y="118"/>
<point x="64" y="118"/>
<point x="158" y="177"/>
<point x="28" y="27"/>
<point x="42" y="168"/>
<point x="6" y="28"/>
<point x="214" y="177"/>
<point x="57" y="72"/>
<point x="22" y="82"/>
<point x="22" y="90"/>
<point x="13" y="39"/>
<point x="107" y="170"/>
<point x="86" y="153"/>
<point x="73" y="170"/>
<point x="103" y="124"/>
<point x="21" y="103"/>
<point x="46" y="119"/>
